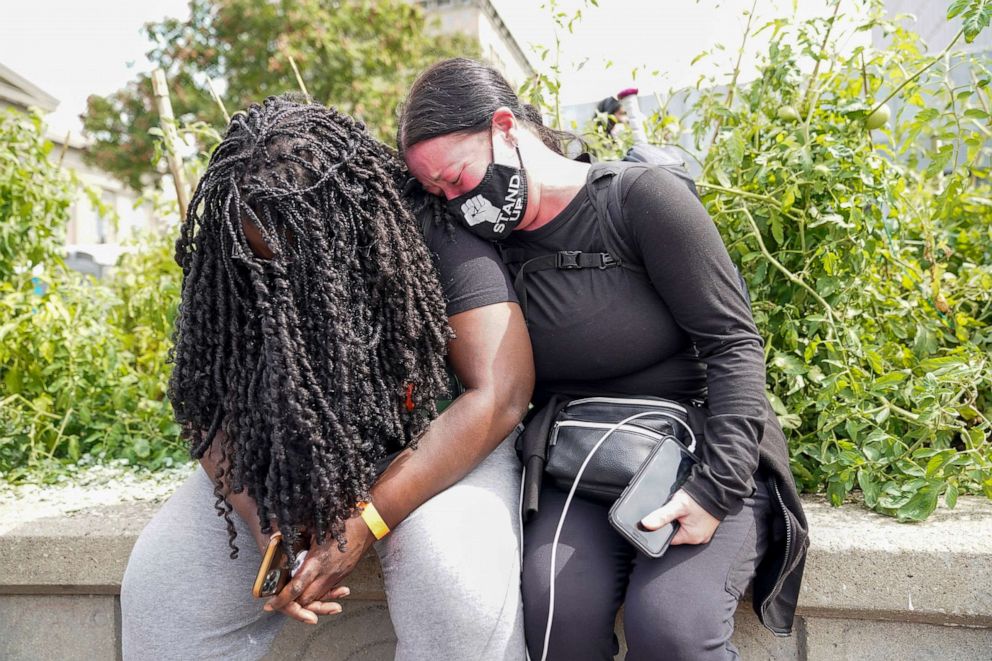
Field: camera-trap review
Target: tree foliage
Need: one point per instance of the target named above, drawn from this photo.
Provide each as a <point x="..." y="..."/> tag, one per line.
<point x="358" y="55"/>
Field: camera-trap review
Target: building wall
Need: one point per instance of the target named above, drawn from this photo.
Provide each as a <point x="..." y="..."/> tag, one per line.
<point x="88" y="225"/>
<point x="498" y="49"/>
<point x="479" y="20"/>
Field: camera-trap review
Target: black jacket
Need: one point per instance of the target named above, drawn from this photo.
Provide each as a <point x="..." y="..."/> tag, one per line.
<point x="780" y="574"/>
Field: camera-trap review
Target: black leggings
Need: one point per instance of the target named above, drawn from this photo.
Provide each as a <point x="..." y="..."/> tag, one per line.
<point x="679" y="606"/>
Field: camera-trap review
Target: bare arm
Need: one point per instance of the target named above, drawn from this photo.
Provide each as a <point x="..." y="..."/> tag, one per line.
<point x="492" y="357"/>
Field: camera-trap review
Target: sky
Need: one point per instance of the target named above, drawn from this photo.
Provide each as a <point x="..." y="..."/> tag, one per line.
<point x="74" y="48"/>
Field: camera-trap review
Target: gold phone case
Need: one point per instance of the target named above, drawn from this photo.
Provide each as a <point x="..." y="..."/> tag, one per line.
<point x="273" y="572"/>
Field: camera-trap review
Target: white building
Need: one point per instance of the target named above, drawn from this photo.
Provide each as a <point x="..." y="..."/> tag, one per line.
<point x="479" y="20"/>
<point x="93" y="239"/>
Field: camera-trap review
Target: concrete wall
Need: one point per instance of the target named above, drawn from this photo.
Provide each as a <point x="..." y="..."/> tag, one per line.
<point x="479" y="20"/>
<point x="874" y="590"/>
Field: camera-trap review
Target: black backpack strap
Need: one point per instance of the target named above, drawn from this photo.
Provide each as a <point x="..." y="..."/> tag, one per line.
<point x="563" y="260"/>
<point x="606" y="183"/>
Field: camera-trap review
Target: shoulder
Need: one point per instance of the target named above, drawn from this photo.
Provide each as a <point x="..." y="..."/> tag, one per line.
<point x="651" y="184"/>
<point x="471" y="272"/>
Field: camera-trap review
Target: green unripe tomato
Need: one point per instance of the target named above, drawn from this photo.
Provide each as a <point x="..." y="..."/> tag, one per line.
<point x="788" y="114"/>
<point x="879" y="118"/>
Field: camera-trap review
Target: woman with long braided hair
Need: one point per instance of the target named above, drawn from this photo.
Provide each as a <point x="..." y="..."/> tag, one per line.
<point x="310" y="350"/>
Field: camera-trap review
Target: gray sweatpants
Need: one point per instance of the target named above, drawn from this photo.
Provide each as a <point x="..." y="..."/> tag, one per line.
<point x="451" y="569"/>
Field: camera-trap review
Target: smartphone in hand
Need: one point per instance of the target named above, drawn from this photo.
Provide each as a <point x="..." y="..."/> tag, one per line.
<point x="659" y="477"/>
<point x="274" y="571"/>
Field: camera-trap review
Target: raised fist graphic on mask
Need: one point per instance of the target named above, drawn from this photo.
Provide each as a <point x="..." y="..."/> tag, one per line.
<point x="479" y="210"/>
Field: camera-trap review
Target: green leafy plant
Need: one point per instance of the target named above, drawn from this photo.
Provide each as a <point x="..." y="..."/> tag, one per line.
<point x="867" y="262"/>
<point x="82" y="363"/>
<point x="856" y="199"/>
<point x="34" y="196"/>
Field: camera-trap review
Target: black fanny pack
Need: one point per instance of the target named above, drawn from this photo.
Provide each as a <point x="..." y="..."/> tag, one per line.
<point x="559" y="438"/>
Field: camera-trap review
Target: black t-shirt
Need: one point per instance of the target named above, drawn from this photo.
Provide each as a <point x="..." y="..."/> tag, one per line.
<point x="472" y="274"/>
<point x="681" y="330"/>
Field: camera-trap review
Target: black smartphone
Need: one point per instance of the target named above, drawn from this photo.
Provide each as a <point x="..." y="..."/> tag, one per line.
<point x="659" y="477"/>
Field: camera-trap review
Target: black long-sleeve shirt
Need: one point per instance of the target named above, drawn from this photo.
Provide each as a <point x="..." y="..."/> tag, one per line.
<point x="681" y="330"/>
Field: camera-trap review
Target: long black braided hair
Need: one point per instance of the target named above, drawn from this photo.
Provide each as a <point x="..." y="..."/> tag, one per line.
<point x="308" y="361"/>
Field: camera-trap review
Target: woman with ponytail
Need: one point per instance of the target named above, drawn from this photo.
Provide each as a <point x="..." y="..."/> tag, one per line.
<point x="666" y="319"/>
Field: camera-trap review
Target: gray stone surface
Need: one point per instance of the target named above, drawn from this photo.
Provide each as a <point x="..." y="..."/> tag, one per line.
<point x="756" y="642"/>
<point x="938" y="571"/>
<point x="64" y="627"/>
<point x="82" y="552"/>
<point x="861" y="640"/>
<point x="874" y="588"/>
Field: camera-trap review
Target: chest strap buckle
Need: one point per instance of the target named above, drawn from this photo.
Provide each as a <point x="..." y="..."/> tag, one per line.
<point x="568" y="259"/>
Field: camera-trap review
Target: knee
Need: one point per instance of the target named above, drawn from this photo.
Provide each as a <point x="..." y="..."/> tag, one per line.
<point x="690" y="628"/>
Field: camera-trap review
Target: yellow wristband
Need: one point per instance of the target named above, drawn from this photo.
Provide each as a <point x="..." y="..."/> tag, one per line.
<point x="374" y="520"/>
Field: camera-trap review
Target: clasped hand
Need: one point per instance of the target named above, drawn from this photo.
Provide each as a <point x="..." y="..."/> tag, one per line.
<point x="316" y="586"/>
<point x="696" y="525"/>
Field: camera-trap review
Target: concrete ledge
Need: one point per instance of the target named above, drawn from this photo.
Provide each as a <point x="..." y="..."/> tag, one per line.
<point x="874" y="589"/>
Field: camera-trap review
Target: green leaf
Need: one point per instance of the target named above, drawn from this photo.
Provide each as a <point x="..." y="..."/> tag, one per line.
<point x="937" y="461"/>
<point x="920" y="506"/>
<point x="141" y="447"/>
<point x="957" y="7"/>
<point x="870" y="488"/>
<point x="951" y="495"/>
<point x="788" y="363"/>
<point x="891" y="378"/>
<point x="977" y="16"/>
<point x="777" y="232"/>
<point x="836" y="493"/>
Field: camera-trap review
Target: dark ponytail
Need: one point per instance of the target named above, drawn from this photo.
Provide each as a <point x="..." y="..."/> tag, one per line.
<point x="461" y="95"/>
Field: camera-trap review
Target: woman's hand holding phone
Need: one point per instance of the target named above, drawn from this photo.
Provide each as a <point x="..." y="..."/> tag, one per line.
<point x="696" y="525"/>
<point x="315" y="585"/>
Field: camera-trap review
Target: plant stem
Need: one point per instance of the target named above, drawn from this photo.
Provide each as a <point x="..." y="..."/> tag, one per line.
<point x="58" y="437"/>
<point x="903" y="413"/>
<point x="65" y="148"/>
<point x="171" y="140"/>
<point x="864" y="78"/>
<point x="299" y="78"/>
<point x="754" y="196"/>
<point x="793" y="278"/>
<point x="217" y="100"/>
<point x="820" y="55"/>
<point x="737" y="70"/>
<point x="919" y="73"/>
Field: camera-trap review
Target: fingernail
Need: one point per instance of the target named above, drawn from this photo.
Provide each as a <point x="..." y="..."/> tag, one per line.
<point x="345" y="592"/>
<point x="267" y="607"/>
<point x="312" y="619"/>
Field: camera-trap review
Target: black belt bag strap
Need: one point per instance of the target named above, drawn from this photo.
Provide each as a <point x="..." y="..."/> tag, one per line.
<point x="560" y="436"/>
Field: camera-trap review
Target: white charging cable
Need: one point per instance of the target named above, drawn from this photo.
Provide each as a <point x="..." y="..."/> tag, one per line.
<point x="568" y="502"/>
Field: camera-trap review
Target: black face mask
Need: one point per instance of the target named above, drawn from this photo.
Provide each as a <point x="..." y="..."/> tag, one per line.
<point x="497" y="205"/>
